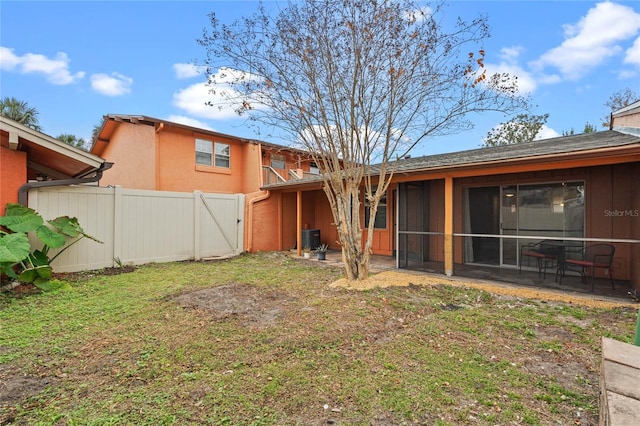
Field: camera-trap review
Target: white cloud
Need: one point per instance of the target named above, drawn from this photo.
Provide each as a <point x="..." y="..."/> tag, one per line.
<point x="193" y="100"/>
<point x="56" y="70"/>
<point x="632" y="55"/>
<point x="418" y="15"/>
<point x="111" y="85"/>
<point x="627" y="74"/>
<point x="546" y="133"/>
<point x="184" y="71"/>
<point x="8" y="60"/>
<point x="189" y="122"/>
<point x="509" y="56"/>
<point x="224" y="100"/>
<point x="591" y="41"/>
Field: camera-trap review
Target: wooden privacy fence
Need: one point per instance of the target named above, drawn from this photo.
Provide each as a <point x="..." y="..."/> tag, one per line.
<point x="139" y="226"/>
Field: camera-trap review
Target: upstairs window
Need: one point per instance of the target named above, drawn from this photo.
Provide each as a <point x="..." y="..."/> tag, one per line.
<point x="204" y="151"/>
<point x="314" y="169"/>
<point x="278" y="161"/>
<point x="223" y="155"/>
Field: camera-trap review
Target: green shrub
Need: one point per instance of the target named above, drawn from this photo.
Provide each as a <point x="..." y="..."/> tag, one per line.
<point x="18" y="259"/>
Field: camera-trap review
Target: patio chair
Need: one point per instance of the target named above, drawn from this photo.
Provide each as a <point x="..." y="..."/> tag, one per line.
<point x="545" y="256"/>
<point x="593" y="257"/>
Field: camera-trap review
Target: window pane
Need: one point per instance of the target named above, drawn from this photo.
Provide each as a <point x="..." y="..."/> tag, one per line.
<point x="203" y="152"/>
<point x="222" y="155"/>
<point x="203" y="158"/>
<point x="278" y="162"/>
<point x="222" y="162"/>
<point x="222" y="149"/>
<point x="380" y="221"/>
<point x="381" y="218"/>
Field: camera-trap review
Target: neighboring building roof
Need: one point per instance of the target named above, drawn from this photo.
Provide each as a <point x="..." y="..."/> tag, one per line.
<point x="628" y="108"/>
<point x="106" y="131"/>
<point x="573" y="147"/>
<point x="47" y="155"/>
<point x="630" y="116"/>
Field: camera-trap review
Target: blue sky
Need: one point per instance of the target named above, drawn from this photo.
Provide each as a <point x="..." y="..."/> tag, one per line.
<point x="76" y="61"/>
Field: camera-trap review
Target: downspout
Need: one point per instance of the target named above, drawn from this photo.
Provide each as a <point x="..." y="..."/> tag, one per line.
<point x="23" y="191"/>
<point x="262" y="197"/>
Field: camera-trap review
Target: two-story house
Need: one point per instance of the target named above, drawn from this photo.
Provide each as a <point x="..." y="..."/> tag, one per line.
<point x="154" y="154"/>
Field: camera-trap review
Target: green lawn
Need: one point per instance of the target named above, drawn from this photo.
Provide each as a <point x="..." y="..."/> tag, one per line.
<point x="263" y="340"/>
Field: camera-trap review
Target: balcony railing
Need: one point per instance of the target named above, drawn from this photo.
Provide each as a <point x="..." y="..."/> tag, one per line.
<point x="271" y="176"/>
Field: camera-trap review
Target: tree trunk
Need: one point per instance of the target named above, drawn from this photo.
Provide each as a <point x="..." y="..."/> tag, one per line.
<point x="344" y="199"/>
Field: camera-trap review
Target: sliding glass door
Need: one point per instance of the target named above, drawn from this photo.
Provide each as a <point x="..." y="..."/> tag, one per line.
<point x="497" y="219"/>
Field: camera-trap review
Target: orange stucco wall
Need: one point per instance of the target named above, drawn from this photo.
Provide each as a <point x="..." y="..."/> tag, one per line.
<point x="177" y="170"/>
<point x="164" y="160"/>
<point x="288" y="222"/>
<point x="13" y="173"/>
<point x="262" y="218"/>
<point x="132" y="150"/>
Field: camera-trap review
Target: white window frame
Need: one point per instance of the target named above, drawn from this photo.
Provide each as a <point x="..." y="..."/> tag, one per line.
<point x="204" y="151"/>
<point x="222" y="159"/>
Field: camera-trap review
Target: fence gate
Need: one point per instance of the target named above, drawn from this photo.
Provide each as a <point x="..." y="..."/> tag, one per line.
<point x="139" y="226"/>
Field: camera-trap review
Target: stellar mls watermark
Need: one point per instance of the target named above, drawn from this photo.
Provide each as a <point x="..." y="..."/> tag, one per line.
<point x="621" y="213"/>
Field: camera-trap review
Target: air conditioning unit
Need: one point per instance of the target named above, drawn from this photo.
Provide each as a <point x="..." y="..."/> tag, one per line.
<point x="310" y="238"/>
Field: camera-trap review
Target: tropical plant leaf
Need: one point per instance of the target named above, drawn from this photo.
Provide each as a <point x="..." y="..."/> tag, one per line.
<point x="68" y="226"/>
<point x="7" y="269"/>
<point x="53" y="285"/>
<point x="19" y="218"/>
<point x="50" y="237"/>
<point x="27" y="276"/>
<point x="39" y="258"/>
<point x="14" y="247"/>
<point x="38" y="273"/>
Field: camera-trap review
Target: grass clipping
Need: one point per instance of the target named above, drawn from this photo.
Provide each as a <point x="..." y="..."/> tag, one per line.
<point x="400" y="279"/>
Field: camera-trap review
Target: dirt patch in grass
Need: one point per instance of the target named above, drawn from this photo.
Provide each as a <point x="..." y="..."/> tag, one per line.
<point x="254" y="307"/>
<point x="15" y="386"/>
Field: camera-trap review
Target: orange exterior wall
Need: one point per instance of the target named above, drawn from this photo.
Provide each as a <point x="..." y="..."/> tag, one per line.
<point x="630" y="119"/>
<point x="132" y="150"/>
<point x="164" y="160"/>
<point x="264" y="234"/>
<point x="178" y="171"/>
<point x="609" y="188"/>
<point x="13" y="174"/>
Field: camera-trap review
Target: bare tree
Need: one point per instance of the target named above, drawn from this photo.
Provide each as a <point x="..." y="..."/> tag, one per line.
<point x="522" y="128"/>
<point x="618" y="100"/>
<point x="355" y="83"/>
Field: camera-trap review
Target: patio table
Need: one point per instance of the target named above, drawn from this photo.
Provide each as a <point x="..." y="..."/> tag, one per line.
<point x="560" y="248"/>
